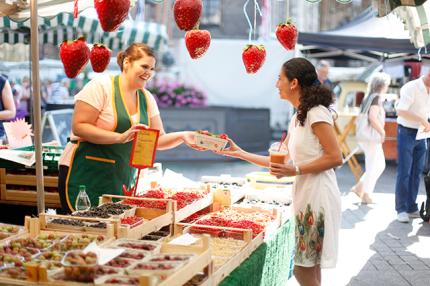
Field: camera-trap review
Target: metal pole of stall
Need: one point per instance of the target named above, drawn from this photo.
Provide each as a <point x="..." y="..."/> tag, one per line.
<point x="36" y="105"/>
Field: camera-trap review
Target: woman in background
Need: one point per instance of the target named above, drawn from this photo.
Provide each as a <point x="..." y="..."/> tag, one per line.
<point x="373" y="152"/>
<point x="7" y="105"/>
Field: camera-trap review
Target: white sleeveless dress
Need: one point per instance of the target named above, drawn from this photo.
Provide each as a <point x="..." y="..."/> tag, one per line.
<point x="316" y="197"/>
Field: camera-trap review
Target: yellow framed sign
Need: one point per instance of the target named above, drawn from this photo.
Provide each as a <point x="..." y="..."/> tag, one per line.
<point x="144" y="148"/>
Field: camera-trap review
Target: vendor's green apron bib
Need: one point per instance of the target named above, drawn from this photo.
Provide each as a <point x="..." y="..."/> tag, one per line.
<point x="103" y="169"/>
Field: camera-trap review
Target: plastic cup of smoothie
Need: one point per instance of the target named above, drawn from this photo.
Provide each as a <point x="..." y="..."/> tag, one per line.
<point x="278" y="155"/>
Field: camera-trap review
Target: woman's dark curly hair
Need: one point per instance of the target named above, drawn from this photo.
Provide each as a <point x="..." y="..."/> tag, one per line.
<point x="313" y="93"/>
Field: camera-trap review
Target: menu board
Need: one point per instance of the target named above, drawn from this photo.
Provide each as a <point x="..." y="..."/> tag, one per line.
<point x="144" y="148"/>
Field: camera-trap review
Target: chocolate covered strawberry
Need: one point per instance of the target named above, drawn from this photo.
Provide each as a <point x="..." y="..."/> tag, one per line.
<point x="74" y="55"/>
<point x="187" y="13"/>
<point x="111" y="13"/>
<point x="253" y="57"/>
<point x="197" y="42"/>
<point x="287" y="35"/>
<point x="100" y="57"/>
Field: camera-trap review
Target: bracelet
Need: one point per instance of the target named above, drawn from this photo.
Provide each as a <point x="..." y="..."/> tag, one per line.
<point x="297" y="170"/>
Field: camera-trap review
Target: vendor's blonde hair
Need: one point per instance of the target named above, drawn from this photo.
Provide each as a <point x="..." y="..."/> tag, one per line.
<point x="134" y="52"/>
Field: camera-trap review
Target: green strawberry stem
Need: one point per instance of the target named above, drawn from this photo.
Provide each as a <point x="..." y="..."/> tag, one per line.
<point x="288" y="21"/>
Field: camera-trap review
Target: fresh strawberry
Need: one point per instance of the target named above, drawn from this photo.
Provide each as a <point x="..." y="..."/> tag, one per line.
<point x="187" y="13"/>
<point x="223" y="136"/>
<point x="100" y="57"/>
<point x="111" y="13"/>
<point x="197" y="42"/>
<point x="287" y="35"/>
<point x="253" y="57"/>
<point x="74" y="55"/>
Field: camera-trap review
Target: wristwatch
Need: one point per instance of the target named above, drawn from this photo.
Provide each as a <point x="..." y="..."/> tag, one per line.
<point x="297" y="170"/>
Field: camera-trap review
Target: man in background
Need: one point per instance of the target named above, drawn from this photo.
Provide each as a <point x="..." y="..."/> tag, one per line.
<point x="413" y="109"/>
<point x="323" y="70"/>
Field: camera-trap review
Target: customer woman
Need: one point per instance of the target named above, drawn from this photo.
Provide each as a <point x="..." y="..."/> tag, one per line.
<point x="373" y="152"/>
<point x="107" y="112"/>
<point x="314" y="152"/>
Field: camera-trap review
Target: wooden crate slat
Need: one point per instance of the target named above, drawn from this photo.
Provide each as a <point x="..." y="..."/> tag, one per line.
<point x="192" y="208"/>
<point x="30" y="180"/>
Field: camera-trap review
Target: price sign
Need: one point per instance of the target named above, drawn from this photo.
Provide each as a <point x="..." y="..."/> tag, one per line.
<point x="144" y="148"/>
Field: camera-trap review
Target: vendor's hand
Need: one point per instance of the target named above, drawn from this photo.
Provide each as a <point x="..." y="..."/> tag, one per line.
<point x="232" y="151"/>
<point x="282" y="170"/>
<point x="129" y="135"/>
<point x="190" y="141"/>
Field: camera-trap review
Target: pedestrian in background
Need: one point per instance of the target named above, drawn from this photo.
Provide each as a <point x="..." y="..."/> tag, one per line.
<point x="373" y="152"/>
<point x="413" y="110"/>
<point x="7" y="105"/>
<point x="323" y="71"/>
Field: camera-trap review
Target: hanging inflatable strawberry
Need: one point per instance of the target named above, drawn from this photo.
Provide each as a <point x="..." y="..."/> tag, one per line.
<point x="74" y="55"/>
<point x="253" y="57"/>
<point x="111" y="13"/>
<point x="100" y="57"/>
<point x="287" y="35"/>
<point x="187" y="13"/>
<point x="197" y="42"/>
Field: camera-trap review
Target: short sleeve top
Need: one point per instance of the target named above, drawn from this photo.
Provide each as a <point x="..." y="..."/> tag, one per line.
<point x="98" y="93"/>
<point x="304" y="145"/>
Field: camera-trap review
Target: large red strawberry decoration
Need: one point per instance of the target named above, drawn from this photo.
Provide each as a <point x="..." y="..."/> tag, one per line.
<point x="111" y="13"/>
<point x="253" y="57"/>
<point x="100" y="57"/>
<point x="74" y="55"/>
<point x="287" y="35"/>
<point x="187" y="13"/>
<point x="197" y="42"/>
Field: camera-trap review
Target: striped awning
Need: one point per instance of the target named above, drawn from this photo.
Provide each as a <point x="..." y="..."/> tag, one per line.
<point x="417" y="20"/>
<point x="55" y="30"/>
<point x="386" y="6"/>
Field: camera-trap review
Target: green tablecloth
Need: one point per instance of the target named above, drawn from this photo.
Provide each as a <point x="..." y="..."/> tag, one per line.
<point x="269" y="264"/>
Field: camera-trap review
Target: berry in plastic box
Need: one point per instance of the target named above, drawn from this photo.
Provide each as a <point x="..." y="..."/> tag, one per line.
<point x="211" y="141"/>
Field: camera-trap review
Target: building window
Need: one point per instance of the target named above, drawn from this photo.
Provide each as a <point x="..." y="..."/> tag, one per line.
<point x="211" y="14"/>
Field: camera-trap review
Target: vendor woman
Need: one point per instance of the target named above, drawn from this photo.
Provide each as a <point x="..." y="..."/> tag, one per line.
<point x="107" y="112"/>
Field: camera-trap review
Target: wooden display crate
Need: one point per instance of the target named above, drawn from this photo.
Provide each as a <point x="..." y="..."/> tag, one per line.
<point x="111" y="229"/>
<point x="251" y="245"/>
<point x="155" y="218"/>
<point x="201" y="262"/>
<point x="21" y="233"/>
<point x="9" y="180"/>
<point x="192" y="208"/>
<point x="226" y="197"/>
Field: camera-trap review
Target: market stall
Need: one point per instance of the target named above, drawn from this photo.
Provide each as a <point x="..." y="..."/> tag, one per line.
<point x="223" y="233"/>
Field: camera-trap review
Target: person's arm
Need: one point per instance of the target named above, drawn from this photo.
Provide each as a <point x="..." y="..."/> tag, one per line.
<point x="236" y="152"/>
<point x="407" y="98"/>
<point x="84" y="126"/>
<point x="410" y="116"/>
<point x="331" y="157"/>
<point x="171" y="140"/>
<point x="9" y="111"/>
<point x="374" y="121"/>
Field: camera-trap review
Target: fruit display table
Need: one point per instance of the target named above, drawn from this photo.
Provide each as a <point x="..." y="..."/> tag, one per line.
<point x="18" y="182"/>
<point x="170" y="237"/>
<point x="270" y="264"/>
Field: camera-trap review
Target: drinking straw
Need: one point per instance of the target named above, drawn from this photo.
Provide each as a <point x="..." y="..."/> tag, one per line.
<point x="282" y="140"/>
